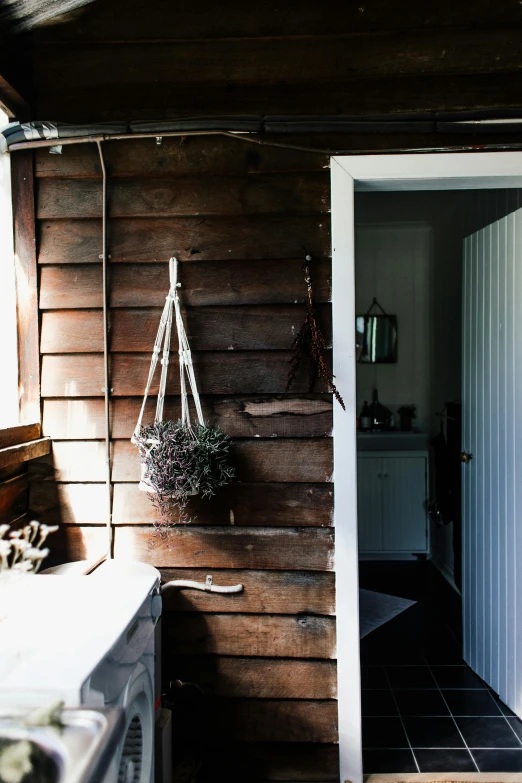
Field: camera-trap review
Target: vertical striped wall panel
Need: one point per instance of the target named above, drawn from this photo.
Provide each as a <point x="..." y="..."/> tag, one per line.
<point x="492" y="432"/>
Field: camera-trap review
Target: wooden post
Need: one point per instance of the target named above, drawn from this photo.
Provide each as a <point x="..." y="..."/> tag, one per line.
<point x="22" y="185"/>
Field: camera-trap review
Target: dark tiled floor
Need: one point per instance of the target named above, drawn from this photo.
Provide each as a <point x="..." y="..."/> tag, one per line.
<point x="423" y="709"/>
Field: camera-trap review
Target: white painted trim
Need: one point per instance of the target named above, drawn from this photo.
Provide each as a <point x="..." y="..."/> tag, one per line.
<point x="432" y="172"/>
<point x="444" y="171"/>
<point x="345" y="477"/>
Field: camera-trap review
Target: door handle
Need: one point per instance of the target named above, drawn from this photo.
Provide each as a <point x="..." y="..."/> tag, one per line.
<point x="465" y="457"/>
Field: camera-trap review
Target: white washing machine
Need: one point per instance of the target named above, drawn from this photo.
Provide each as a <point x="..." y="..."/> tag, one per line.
<point x="87" y="641"/>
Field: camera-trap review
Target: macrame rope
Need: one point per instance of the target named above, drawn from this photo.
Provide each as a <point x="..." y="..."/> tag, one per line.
<point x="186" y="368"/>
<point x="171" y="296"/>
<point x="153" y="364"/>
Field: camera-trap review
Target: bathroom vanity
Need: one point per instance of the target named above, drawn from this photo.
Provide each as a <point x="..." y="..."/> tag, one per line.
<point x="392" y="495"/>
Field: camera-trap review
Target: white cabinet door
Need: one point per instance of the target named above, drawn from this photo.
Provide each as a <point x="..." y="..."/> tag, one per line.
<point x="404" y="522"/>
<point x="369" y="503"/>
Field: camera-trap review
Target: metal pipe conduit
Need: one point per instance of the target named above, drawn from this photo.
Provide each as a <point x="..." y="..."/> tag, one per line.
<point x="241" y="136"/>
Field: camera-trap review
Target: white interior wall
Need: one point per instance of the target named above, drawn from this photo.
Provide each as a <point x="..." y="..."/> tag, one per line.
<point x="414" y="240"/>
<point x="392" y="263"/>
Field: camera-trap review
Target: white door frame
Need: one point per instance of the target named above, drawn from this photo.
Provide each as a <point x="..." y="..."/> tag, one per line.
<point x="441" y="171"/>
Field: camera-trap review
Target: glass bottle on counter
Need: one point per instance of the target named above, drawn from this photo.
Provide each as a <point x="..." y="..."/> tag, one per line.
<point x="366" y="417"/>
<point x="380" y="415"/>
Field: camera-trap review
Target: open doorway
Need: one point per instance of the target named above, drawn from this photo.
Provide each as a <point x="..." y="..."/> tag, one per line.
<point x="423" y="708"/>
<point x="492" y="618"/>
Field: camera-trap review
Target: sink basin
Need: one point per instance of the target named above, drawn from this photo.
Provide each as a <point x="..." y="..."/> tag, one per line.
<point x="35" y="762"/>
<point x="392" y="441"/>
<point x="78" y="753"/>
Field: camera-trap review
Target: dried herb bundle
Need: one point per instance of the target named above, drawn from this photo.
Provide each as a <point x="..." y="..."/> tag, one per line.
<point x="310" y="341"/>
<point x="182" y="462"/>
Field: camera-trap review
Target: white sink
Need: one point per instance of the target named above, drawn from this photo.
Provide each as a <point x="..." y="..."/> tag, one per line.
<point x="80" y="752"/>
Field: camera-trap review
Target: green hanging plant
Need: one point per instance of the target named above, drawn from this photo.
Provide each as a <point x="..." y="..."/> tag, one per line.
<point x="181" y="462"/>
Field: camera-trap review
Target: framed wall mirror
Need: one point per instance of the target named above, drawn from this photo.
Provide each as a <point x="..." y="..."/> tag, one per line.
<point x="376" y="338"/>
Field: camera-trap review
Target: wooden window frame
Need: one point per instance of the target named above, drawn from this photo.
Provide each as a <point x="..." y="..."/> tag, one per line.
<point x="24" y="442"/>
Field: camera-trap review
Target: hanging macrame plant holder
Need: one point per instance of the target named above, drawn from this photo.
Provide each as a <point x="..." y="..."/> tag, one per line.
<point x="178" y="458"/>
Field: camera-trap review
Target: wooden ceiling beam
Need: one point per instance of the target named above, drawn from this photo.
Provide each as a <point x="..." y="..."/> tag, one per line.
<point x="12" y="102"/>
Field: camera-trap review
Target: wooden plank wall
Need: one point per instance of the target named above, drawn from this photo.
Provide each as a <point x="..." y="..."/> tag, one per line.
<point x="17" y="446"/>
<point x="240" y="217"/>
<point x="267" y="657"/>
<point x="14" y="493"/>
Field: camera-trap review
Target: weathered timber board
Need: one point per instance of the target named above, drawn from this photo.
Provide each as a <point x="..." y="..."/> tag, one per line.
<point x="213" y="155"/>
<point x="277" y="505"/>
<point x="267" y="720"/>
<point x="209" y="155"/>
<point x="228" y="761"/>
<point x="71" y="504"/>
<point x="265" y="592"/>
<point x="266" y="636"/>
<point x="258" y="678"/>
<point x="230" y="195"/>
<point x="293" y="60"/>
<point x="12" y="455"/>
<point x="13" y="470"/>
<point x="308" y="549"/>
<point x="268" y="281"/>
<point x="14" y="494"/>
<point x="73" y="542"/>
<point x="191" y="238"/>
<point x="251" y="328"/>
<point x="252" y="505"/>
<point x="13" y="436"/>
<point x="342" y="96"/>
<point x="270" y="460"/>
<point x="228" y="372"/>
<point x="291" y="17"/>
<point x="283" y="416"/>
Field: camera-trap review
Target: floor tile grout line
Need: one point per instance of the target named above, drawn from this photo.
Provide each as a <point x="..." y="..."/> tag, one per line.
<point x="421" y="688"/>
<point x="499" y="708"/>
<point x="408" y="665"/>
<point x="447" y="715"/>
<point x="512" y="729"/>
<point x="453" y="719"/>
<point x="415" y="666"/>
<point x="493" y="750"/>
<point x="450" y="631"/>
<point x="402" y="722"/>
